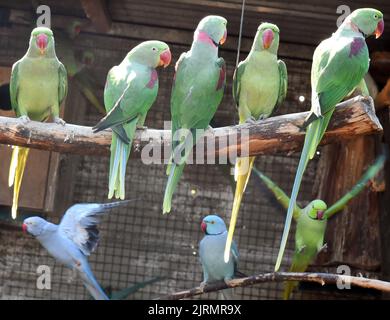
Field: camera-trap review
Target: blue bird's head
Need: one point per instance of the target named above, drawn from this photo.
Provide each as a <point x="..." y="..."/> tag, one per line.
<point x="34" y="225"/>
<point x="212" y="225"/>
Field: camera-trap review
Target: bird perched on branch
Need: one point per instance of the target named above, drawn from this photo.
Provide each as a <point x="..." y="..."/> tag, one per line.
<point x="311" y="220"/>
<point x="73" y="240"/>
<point x="211" y="253"/>
<point x="196" y="94"/>
<point x="339" y="65"/>
<point x="259" y="86"/>
<point x="130" y="91"/>
<point x="38" y="86"/>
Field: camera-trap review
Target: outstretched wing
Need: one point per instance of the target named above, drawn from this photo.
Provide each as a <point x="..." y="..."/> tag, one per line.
<point x="371" y="172"/>
<point x="80" y="221"/>
<point x="279" y="194"/>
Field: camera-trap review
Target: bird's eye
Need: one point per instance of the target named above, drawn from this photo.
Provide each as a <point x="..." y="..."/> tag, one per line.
<point x="212" y="222"/>
<point x="375" y="16"/>
<point x="154" y="49"/>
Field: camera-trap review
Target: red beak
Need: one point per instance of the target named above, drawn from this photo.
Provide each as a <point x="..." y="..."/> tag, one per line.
<point x="165" y="58"/>
<point x="24" y="227"/>
<point x="42" y="42"/>
<point x="320" y="215"/>
<point x="203" y="226"/>
<point x="268" y="37"/>
<point x="223" y="40"/>
<point x="379" y="29"/>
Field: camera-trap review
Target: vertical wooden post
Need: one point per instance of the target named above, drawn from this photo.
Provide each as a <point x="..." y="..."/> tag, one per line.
<point x="353" y="235"/>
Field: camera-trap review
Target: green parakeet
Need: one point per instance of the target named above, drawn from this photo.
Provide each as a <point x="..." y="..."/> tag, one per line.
<point x="339" y="65"/>
<point x="131" y="89"/>
<point x="259" y="85"/>
<point x="196" y="94"/>
<point x="311" y="220"/>
<point x="38" y="86"/>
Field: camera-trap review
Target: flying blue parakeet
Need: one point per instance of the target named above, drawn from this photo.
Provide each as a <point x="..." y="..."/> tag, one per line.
<point x="73" y="240"/>
<point x="311" y="220"/>
<point x="339" y="65"/>
<point x="196" y="94"/>
<point x="131" y="89"/>
<point x="38" y="86"/>
<point x="211" y="253"/>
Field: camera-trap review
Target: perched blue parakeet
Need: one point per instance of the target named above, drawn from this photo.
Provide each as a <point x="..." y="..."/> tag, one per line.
<point x="211" y="253"/>
<point x="71" y="241"/>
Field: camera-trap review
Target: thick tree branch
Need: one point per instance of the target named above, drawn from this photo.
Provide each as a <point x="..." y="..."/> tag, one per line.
<point x="321" y="278"/>
<point x="351" y="118"/>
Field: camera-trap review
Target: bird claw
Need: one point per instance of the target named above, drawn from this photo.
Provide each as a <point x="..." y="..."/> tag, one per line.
<point x="250" y="120"/>
<point x="324" y="248"/>
<point x="202" y="285"/>
<point x="142" y="127"/>
<point x="60" y="121"/>
<point x="25" y="119"/>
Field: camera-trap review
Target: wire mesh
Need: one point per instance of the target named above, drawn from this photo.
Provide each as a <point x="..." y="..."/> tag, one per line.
<point x="138" y="243"/>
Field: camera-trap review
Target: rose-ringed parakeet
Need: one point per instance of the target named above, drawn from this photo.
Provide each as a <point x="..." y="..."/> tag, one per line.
<point x="259" y="86"/>
<point x="131" y="89"/>
<point x="196" y="94"/>
<point x="339" y="65"/>
<point x="74" y="239"/>
<point x="211" y="253"/>
<point x="311" y="220"/>
<point x="38" y="86"/>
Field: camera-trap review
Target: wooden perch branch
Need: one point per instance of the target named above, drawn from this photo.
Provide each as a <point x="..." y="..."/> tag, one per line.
<point x="321" y="278"/>
<point x="351" y="118"/>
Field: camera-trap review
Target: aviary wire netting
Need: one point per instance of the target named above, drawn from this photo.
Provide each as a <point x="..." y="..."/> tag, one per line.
<point x="138" y="243"/>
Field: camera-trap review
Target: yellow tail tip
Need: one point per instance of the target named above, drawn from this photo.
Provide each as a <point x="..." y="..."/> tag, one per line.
<point x="14" y="213"/>
<point x="226" y="255"/>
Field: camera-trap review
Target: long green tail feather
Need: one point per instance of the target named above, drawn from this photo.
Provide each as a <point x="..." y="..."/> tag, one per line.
<point x="309" y="145"/>
<point x="175" y="174"/>
<point x="120" y="153"/>
<point x="176" y="166"/>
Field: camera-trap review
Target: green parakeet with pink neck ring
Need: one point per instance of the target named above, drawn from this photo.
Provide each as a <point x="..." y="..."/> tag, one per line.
<point x="339" y="65"/>
<point x="259" y="86"/>
<point x="130" y="91"/>
<point x="196" y="94"/>
<point x="38" y="86"/>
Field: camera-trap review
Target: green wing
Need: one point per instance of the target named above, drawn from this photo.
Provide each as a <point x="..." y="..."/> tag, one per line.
<point x="62" y="83"/>
<point x="371" y="172"/>
<point x="335" y="73"/>
<point x="282" y="198"/>
<point x="237" y="80"/>
<point x="283" y="81"/>
<point x="14" y="86"/>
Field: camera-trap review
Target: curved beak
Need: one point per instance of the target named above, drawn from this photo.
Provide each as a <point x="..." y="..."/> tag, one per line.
<point x="42" y="42"/>
<point x="203" y="226"/>
<point x="320" y="215"/>
<point x="268" y="37"/>
<point x="24" y="227"/>
<point x="165" y="58"/>
<point x="223" y="39"/>
<point x="379" y="29"/>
